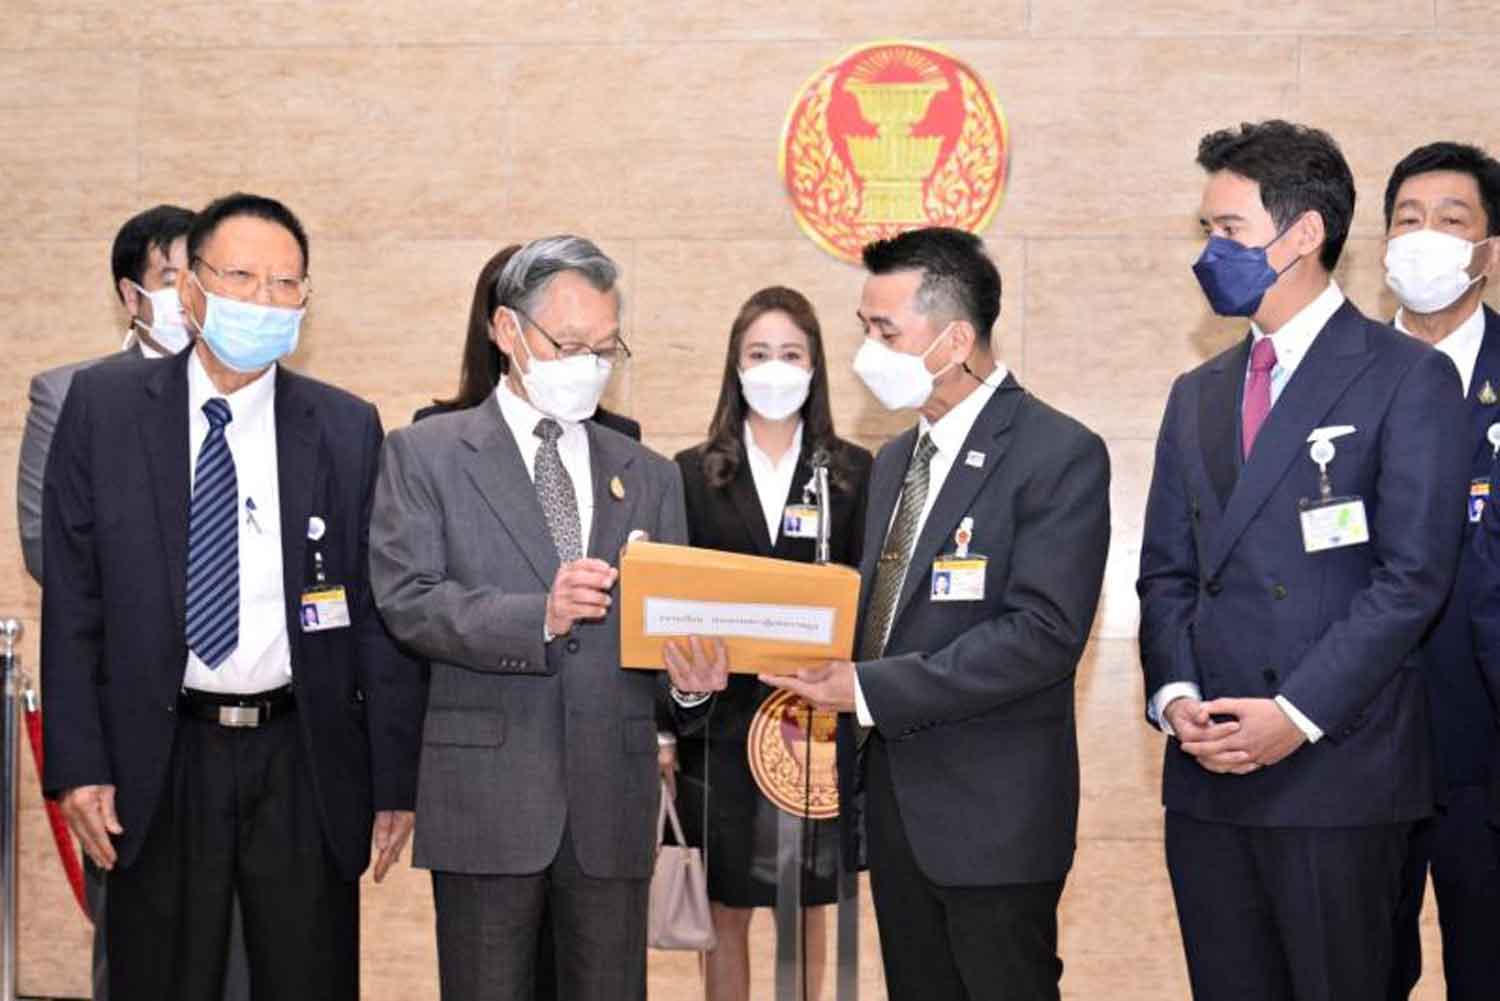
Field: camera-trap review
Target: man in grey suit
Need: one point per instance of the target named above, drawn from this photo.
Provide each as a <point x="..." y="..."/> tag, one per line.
<point x="148" y="252"/>
<point x="491" y="544"/>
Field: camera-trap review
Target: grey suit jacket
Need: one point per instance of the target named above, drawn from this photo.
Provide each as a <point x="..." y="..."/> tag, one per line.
<point x="521" y="736"/>
<point x="48" y="391"/>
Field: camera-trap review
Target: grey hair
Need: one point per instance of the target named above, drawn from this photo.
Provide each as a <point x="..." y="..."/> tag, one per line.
<point x="525" y="277"/>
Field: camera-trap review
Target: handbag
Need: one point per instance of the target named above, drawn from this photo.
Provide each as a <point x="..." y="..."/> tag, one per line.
<point x="679" y="916"/>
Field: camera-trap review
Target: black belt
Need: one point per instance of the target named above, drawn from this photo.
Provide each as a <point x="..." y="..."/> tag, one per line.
<point x="237" y="710"/>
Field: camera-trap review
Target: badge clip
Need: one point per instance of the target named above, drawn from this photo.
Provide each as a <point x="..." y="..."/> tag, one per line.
<point x="1493" y="437"/>
<point x="963" y="537"/>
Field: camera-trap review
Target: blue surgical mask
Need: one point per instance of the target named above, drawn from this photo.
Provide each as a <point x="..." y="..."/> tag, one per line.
<point x="247" y="336"/>
<point x="1235" y="277"/>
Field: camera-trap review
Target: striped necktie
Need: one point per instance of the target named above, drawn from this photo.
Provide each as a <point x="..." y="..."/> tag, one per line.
<point x="213" y="573"/>
<point x="890" y="572"/>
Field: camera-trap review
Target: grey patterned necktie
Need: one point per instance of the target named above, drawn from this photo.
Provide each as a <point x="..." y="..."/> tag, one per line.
<point x="555" y="490"/>
<point x="890" y="573"/>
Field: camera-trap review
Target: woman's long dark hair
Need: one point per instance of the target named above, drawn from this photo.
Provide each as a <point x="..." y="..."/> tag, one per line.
<point x="725" y="450"/>
<point x="483" y="364"/>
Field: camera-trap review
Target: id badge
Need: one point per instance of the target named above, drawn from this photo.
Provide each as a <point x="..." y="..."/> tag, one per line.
<point x="325" y="608"/>
<point x="800" y="521"/>
<point x="958" y="578"/>
<point x="1334" y="523"/>
<point x="1479" y="495"/>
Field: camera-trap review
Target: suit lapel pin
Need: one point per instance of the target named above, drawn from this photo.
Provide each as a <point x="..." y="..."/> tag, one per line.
<point x="616" y="488"/>
<point x="1487" y="394"/>
<point x="974" y="460"/>
<point x="316" y="528"/>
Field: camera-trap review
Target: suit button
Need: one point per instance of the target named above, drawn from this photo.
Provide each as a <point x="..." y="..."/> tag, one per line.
<point x="1279" y="592"/>
<point x="1212" y="586"/>
<point x="1269" y="675"/>
<point x="573" y="645"/>
<point x="171" y="707"/>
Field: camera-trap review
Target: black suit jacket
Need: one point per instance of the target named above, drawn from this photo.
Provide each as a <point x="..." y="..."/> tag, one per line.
<point x="975" y="699"/>
<point x="730" y="519"/>
<point x="605" y="418"/>
<point x="1231" y="601"/>
<point x="113" y="648"/>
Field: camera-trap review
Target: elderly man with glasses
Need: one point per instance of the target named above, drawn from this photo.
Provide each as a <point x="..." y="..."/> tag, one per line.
<point x="205" y="737"/>
<point x="491" y="546"/>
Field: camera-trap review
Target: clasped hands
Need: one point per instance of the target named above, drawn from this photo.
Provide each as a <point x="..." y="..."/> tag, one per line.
<point x="1258" y="735"/>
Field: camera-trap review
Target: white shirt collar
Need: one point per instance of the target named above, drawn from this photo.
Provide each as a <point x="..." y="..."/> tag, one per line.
<point x="522" y="416"/>
<point x="1298" y="333"/>
<point x="950" y="430"/>
<point x="755" y="454"/>
<point x="248" y="404"/>
<point x="1462" y="345"/>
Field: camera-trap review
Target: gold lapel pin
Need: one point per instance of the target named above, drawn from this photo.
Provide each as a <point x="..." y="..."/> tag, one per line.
<point x="616" y="488"/>
<point x="1487" y="394"/>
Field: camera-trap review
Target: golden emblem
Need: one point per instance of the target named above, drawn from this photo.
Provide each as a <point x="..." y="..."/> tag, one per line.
<point x="1487" y="394"/>
<point x="616" y="488"/>
<point x="892" y="136"/>
<point x="780" y="751"/>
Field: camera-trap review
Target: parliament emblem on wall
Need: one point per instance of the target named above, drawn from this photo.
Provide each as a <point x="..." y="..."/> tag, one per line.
<point x="892" y="136"/>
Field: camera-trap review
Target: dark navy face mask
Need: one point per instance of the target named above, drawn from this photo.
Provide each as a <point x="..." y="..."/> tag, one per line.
<point x="1235" y="277"/>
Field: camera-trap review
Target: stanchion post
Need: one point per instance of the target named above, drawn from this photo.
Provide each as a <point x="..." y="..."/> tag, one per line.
<point x="16" y="687"/>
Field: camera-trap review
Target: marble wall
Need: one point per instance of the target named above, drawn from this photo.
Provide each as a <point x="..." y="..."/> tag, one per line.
<point x="414" y="139"/>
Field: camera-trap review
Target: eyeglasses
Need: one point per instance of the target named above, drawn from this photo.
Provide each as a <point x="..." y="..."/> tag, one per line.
<point x="615" y="353"/>
<point x="287" y="291"/>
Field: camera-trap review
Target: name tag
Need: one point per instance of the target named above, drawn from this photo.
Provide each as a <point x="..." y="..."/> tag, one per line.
<point x="958" y="578"/>
<point x="800" y="521"/>
<point x="1479" y="493"/>
<point x="326" y="608"/>
<point x="1334" y="523"/>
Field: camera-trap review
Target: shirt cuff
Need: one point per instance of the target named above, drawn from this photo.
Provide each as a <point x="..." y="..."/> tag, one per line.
<point x="861" y="708"/>
<point x="1165" y="696"/>
<point x="1309" y="729"/>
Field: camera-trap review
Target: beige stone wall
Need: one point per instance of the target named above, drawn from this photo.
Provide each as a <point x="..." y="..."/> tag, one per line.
<point x="415" y="138"/>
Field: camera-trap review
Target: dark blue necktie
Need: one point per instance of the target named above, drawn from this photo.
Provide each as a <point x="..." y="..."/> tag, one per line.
<point x="213" y="573"/>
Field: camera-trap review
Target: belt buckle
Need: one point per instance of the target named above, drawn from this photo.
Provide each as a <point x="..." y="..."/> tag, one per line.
<point x="239" y="716"/>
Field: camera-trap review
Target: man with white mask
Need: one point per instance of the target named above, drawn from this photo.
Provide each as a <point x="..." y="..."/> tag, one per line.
<point x="207" y="740"/>
<point x="1442" y="214"/>
<point x="492" y="546"/>
<point x="986" y="533"/>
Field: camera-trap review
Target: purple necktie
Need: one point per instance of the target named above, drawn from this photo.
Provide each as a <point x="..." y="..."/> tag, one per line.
<point x="1257" y="392"/>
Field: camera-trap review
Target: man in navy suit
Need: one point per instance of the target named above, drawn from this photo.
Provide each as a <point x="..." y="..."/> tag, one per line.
<point x="1442" y="212"/>
<point x="203" y="741"/>
<point x="1302" y="530"/>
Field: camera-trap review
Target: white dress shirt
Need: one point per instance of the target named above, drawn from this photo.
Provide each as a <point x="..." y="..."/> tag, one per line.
<point x="522" y="418"/>
<point x="773" y="480"/>
<point x="263" y="659"/>
<point x="948" y="435"/>
<point x="1462" y="345"/>
<point x="1292" y="342"/>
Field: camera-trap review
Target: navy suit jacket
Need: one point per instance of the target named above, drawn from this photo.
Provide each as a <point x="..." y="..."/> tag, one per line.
<point x="1232" y="602"/>
<point x="115" y="515"/>
<point x="974" y="699"/>
<point x="1463" y="719"/>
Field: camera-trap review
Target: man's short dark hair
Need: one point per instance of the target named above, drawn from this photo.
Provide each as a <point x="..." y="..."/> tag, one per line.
<point x="241" y="204"/>
<point x="1299" y="169"/>
<point x="959" y="281"/>
<point x="1459" y="158"/>
<point x="156" y="227"/>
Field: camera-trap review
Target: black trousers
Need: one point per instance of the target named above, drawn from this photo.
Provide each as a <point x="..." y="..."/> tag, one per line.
<point x="1285" y="914"/>
<point x="1462" y="851"/>
<point x="952" y="943"/>
<point x="237" y="816"/>
<point x="488" y="929"/>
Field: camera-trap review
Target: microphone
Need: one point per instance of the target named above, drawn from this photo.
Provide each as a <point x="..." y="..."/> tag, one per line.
<point x="819" y="462"/>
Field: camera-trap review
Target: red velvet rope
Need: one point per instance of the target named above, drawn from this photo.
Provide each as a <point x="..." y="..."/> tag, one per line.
<point x="67" y="851"/>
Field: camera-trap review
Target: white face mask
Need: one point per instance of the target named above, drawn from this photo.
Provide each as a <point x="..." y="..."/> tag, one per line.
<point x="1428" y="270"/>
<point x="568" y="389"/>
<point x="775" y="389"/>
<point x="167" y="328"/>
<point x="899" y="381"/>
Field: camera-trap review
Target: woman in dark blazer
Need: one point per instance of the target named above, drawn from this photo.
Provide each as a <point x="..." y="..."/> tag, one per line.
<point x="772" y="418"/>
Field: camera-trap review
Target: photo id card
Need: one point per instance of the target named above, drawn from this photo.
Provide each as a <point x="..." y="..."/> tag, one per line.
<point x="325" y="608"/>
<point x="1479" y="495"/>
<point x="800" y="521"/>
<point x="1334" y="523"/>
<point x="958" y="579"/>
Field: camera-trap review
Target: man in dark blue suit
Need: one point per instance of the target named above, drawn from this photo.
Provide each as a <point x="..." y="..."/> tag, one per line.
<point x="204" y="740"/>
<point x="1442" y="211"/>
<point x="1302" y="530"/>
